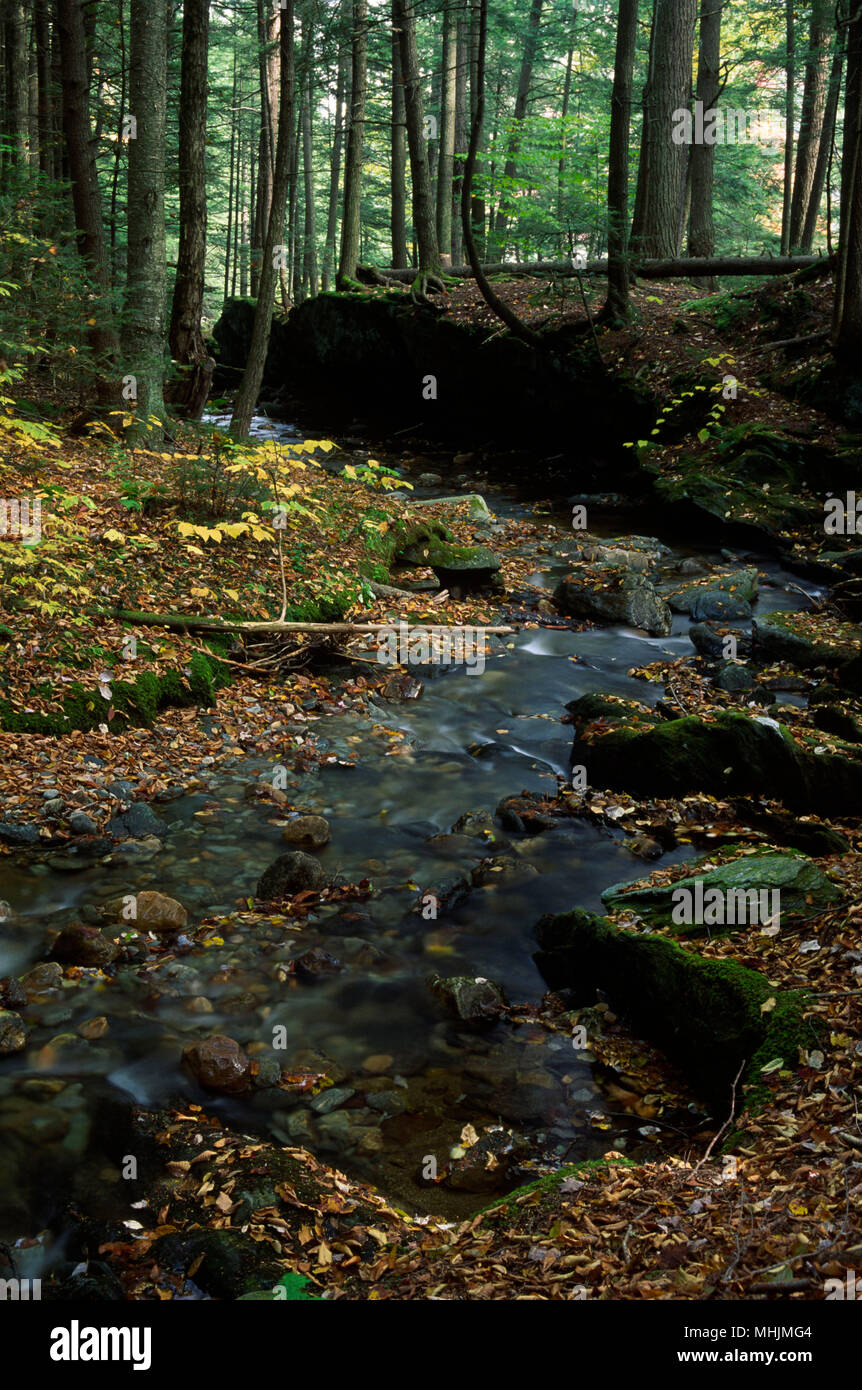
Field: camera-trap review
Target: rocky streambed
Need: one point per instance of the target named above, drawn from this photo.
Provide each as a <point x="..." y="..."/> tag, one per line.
<point x="330" y="944"/>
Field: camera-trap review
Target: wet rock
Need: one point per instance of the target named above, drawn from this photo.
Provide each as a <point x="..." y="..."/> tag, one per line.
<point x="371" y="1141"/>
<point x="311" y="831"/>
<point x="477" y="823"/>
<point x="803" y="889"/>
<point x="55" y="807"/>
<point x="80" y="945"/>
<point x="402" y="686"/>
<point x="290" y="874"/>
<point x="93" y="1028"/>
<point x="158" y="913"/>
<point x="299" y="1127"/>
<point x="82" y="824"/>
<point x="13" y="1033"/>
<point x="379" y="1064"/>
<point x="474" y="1000"/>
<point x="502" y="866"/>
<point x="783" y="636"/>
<point x="442" y="895"/>
<point x="18" y="834"/>
<point x="712" y="605"/>
<point x="316" y="964"/>
<point x="95" y="1284"/>
<point x="44" y="979"/>
<point x="12" y="993"/>
<point x="219" y="1064"/>
<point x="387" y="1103"/>
<point x="268" y="1074"/>
<point x="614" y="595"/>
<point x="734" y="678"/>
<point x="708" y="642"/>
<point x="489" y="1165"/>
<point x="723" y="597"/>
<point x="138" y="821"/>
<point x="644" y="847"/>
<point x="331" y="1099"/>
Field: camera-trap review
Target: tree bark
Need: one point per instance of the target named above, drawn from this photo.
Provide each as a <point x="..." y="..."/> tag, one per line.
<point x="847" y="319"/>
<point x="497" y="243"/>
<point x="186" y="337"/>
<point x="446" y="154"/>
<point x="42" y="34"/>
<point x="701" y="225"/>
<point x="824" y="152"/>
<point x="663" y="162"/>
<point x="616" y="307"/>
<point x="86" y="197"/>
<point x="398" y="207"/>
<point x="461" y="132"/>
<point x="423" y="206"/>
<point x="811" y="120"/>
<point x="789" y="119"/>
<point x="274" y="251"/>
<point x="335" y="170"/>
<point x="146" y="280"/>
<point x="350" y="217"/>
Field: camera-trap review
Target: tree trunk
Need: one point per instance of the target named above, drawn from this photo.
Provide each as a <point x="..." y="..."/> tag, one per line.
<point x="309" y="250"/>
<point x="701" y="224"/>
<point x="335" y="169"/>
<point x="86" y="197"/>
<point x="789" y="119"/>
<point x="186" y="338"/>
<point x="824" y="152"/>
<point x="267" y="38"/>
<point x="446" y="155"/>
<point x="616" y="307"/>
<point x="461" y="133"/>
<point x="423" y="206"/>
<point x="398" y="206"/>
<point x="350" y="217"/>
<point x="477" y="202"/>
<point x="17" y="77"/>
<point x="564" y="114"/>
<point x="663" y="161"/>
<point x="847" y="320"/>
<point x="42" y="28"/>
<point x="146" y="280"/>
<point x="497" y="244"/>
<point x="275" y="251"/>
<point x="228" y="251"/>
<point x="812" y="118"/>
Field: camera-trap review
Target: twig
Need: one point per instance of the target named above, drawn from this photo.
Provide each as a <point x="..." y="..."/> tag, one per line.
<point x="719" y="1132"/>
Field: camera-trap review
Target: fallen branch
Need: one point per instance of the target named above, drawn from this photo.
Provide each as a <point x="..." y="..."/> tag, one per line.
<point x="683" y="268"/>
<point x="192" y="624"/>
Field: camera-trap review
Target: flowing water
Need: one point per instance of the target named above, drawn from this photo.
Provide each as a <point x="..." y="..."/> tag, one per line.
<point x="398" y="778"/>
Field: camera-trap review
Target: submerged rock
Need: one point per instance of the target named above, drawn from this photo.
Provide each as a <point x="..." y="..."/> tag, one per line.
<point x="139" y="821"/>
<point x="13" y="1033"/>
<point x="474" y="1000"/>
<point x="158" y="913"/>
<point x="80" y="945"/>
<point x="289" y="874"/>
<point x="312" y="831"/>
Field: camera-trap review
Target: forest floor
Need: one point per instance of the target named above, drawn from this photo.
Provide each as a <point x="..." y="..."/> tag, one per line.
<point x="118" y="537"/>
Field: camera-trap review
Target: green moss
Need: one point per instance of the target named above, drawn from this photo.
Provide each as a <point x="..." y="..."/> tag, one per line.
<point x="504" y="1206"/>
<point x="138" y="701"/>
<point x="707" y="1015"/>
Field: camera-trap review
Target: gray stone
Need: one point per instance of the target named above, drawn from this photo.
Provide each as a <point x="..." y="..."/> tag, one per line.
<point x="138" y="821"/>
<point x="289" y="874"/>
<point x="331" y="1099"/>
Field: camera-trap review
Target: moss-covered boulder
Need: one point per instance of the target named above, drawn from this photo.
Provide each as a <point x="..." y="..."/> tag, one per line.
<point x="731" y="753"/>
<point x="614" y="594"/>
<point x="806" y="639"/>
<point x="717" y="597"/>
<point x="707" y="1015"/>
<point x="746" y="890"/>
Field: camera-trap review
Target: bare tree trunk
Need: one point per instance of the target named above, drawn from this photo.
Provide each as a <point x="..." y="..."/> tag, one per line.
<point x="701" y="224"/>
<point x="812" y="117"/>
<point x="86" y="197"/>
<point x="423" y="206"/>
<point x="398" y="210"/>
<point x="446" y="154"/>
<point x="477" y="198"/>
<point x="497" y="242"/>
<point x="309" y="255"/>
<point x="335" y="169"/>
<point x="350" y="216"/>
<point x="847" y="319"/>
<point x="789" y="119"/>
<point x="186" y="336"/>
<point x="824" y="151"/>
<point x="230" y="196"/>
<point x="564" y="114"/>
<point x="668" y="90"/>
<point x="275" y="251"/>
<point x="461" y="133"/>
<point x="267" y="38"/>
<point x="42" y="28"/>
<point x="17" y="70"/>
<point x="616" y="307"/>
<point x="144" y="327"/>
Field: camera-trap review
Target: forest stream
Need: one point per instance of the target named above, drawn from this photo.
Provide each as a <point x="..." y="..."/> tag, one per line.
<point x="393" y="782"/>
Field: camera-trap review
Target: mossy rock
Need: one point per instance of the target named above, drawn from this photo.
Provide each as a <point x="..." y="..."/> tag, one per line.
<point x="138" y="701"/>
<point x="787" y="636"/>
<point x="708" y="1016"/>
<point x="804" y="890"/>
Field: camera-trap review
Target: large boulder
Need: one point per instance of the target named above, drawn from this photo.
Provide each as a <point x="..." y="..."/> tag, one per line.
<point x="719" y="597"/>
<point x="801" y="638"/>
<point x="707" y="1015"/>
<point x="473" y="1000"/>
<point x="803" y="891"/>
<point x="729" y="754"/>
<point x="614" y="594"/>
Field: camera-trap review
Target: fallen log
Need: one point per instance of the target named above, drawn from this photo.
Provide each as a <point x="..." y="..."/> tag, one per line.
<point x="684" y="268"/>
<point x="179" y="621"/>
